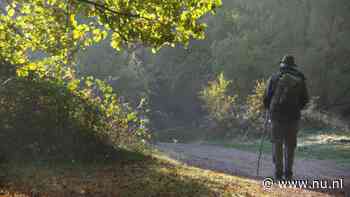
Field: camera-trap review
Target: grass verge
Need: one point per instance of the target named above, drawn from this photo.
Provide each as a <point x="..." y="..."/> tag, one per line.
<point x="132" y="175"/>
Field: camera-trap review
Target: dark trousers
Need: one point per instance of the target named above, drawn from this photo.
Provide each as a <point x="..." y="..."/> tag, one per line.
<point x="284" y="141"/>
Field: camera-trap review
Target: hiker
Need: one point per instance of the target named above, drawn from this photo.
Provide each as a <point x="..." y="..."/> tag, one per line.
<point x="285" y="96"/>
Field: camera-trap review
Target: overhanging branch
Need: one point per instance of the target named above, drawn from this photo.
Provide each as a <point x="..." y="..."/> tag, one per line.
<point x="5" y="82"/>
<point x="101" y="6"/>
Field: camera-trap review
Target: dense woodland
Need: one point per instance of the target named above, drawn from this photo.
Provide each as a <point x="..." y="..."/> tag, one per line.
<point x="245" y="40"/>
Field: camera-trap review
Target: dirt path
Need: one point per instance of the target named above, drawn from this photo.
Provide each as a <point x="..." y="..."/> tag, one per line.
<point x="242" y="163"/>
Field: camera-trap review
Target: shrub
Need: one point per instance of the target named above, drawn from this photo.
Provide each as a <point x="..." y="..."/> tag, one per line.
<point x="249" y="117"/>
<point x="228" y="113"/>
<point x="255" y="106"/>
<point x="49" y="113"/>
<point x="218" y="103"/>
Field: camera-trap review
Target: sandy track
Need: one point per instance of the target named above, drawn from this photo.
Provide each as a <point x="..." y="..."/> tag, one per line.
<point x="243" y="163"/>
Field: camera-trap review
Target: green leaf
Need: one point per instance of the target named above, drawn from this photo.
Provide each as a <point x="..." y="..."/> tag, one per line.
<point x="131" y="117"/>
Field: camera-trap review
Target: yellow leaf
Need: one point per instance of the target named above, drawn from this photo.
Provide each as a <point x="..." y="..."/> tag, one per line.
<point x="73" y="21"/>
<point x="77" y="34"/>
<point x="11" y="12"/>
<point x="32" y="66"/>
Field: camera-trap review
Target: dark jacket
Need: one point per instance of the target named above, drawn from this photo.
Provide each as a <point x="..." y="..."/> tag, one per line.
<point x="304" y="97"/>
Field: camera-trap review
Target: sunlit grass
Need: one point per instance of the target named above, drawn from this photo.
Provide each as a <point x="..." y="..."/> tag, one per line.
<point x="155" y="175"/>
<point x="137" y="176"/>
<point x="318" y="139"/>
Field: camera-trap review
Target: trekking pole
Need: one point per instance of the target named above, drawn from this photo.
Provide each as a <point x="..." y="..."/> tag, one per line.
<point x="262" y="141"/>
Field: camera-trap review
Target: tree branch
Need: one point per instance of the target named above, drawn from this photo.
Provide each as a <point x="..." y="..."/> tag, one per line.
<point x="104" y="7"/>
<point x="5" y="82"/>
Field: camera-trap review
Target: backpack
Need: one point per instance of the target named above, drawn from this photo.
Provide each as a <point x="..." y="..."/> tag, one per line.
<point x="285" y="102"/>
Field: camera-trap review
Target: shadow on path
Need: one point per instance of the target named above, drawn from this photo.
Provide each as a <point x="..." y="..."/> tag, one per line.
<point x="244" y="164"/>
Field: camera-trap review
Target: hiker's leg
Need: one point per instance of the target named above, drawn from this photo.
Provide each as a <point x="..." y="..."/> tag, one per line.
<point x="277" y="148"/>
<point x="288" y="161"/>
<point x="289" y="151"/>
<point x="277" y="156"/>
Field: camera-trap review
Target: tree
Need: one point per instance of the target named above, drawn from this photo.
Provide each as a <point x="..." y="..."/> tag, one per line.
<point x="41" y="38"/>
<point x="219" y="104"/>
<point x="57" y="29"/>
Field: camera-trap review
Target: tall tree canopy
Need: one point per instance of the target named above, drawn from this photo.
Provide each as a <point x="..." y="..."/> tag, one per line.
<point x="51" y="31"/>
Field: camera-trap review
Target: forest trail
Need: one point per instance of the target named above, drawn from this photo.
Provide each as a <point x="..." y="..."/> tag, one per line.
<point x="243" y="163"/>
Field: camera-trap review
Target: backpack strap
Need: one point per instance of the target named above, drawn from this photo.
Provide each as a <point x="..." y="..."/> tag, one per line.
<point x="274" y="80"/>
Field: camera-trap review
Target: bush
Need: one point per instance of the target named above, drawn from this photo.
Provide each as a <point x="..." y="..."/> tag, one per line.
<point x="255" y="106"/>
<point x="57" y="116"/>
<point x="220" y="105"/>
<point x="230" y="115"/>
<point x="249" y="117"/>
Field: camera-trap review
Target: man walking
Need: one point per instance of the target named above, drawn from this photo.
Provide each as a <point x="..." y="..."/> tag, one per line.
<point x="285" y="96"/>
